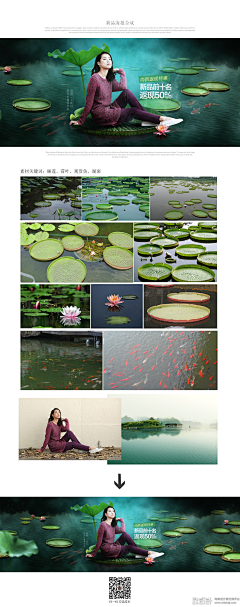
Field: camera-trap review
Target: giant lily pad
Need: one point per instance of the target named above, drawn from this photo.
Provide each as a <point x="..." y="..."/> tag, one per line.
<point x="49" y="527"/>
<point x="221" y="530"/>
<point x="172" y="533"/>
<point x="32" y="104"/>
<point x="160" y="105"/>
<point x="235" y="523"/>
<point x="178" y="312"/>
<point x="157" y="271"/>
<point x="35" y="226"/>
<point x="195" y="91"/>
<point x="199" y="213"/>
<point x="178" y="234"/>
<point x="59" y="542"/>
<point x="73" y="73"/>
<point x="100" y="206"/>
<point x="212" y="195"/>
<point x="209" y="206"/>
<point x="46" y="250"/>
<point x="149" y="249"/>
<point x="212" y="214"/>
<point x="41" y="236"/>
<point x="188" y="71"/>
<point x="217" y="511"/>
<point x="44" y="203"/>
<point x="203" y="235"/>
<point x="48" y="227"/>
<point x="168" y="70"/>
<point x="186" y="529"/>
<point x="27" y="239"/>
<point x="119" y="258"/>
<point x="188" y="297"/>
<point x="25" y="522"/>
<point x="192" y="273"/>
<point x="166" y="243"/>
<point x="190" y="250"/>
<point x="86" y="229"/>
<point x="214" y="85"/>
<point x="19" y="82"/>
<point x="85" y="207"/>
<point x="66" y="227"/>
<point x="117" y="320"/>
<point x="208" y="259"/>
<point x="67" y="270"/>
<point x="51" y="196"/>
<point x="102" y="215"/>
<point x="144" y="234"/>
<point x="121" y="239"/>
<point x="217" y="549"/>
<point x="235" y="530"/>
<point x="231" y="557"/>
<point x="73" y="242"/>
<point x="173" y="215"/>
<point x="167" y="519"/>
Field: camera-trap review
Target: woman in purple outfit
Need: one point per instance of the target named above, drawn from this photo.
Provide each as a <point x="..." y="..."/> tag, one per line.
<point x="108" y="528"/>
<point x="99" y="97"/>
<point x="67" y="442"/>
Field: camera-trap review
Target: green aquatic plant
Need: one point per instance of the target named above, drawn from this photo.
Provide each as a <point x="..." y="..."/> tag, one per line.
<point x="79" y="58"/>
<point x="14" y="546"/>
<point x="92" y="510"/>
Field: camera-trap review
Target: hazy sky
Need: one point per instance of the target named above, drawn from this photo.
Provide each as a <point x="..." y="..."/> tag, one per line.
<point x="194" y="405"/>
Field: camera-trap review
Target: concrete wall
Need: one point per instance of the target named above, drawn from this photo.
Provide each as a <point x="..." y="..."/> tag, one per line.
<point x="91" y="420"/>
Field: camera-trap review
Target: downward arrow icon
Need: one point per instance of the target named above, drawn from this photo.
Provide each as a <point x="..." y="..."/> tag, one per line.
<point x="119" y="484"/>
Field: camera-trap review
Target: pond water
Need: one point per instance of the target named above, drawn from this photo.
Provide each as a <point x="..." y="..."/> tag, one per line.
<point x="158" y="296"/>
<point x="191" y="446"/>
<point x="48" y="363"/>
<point x="140" y="260"/>
<point x="173" y="360"/>
<point x="130" y="308"/>
<point x="178" y="556"/>
<point x="214" y="126"/>
<point x="97" y="271"/>
<point x="126" y="212"/>
<point x="161" y="196"/>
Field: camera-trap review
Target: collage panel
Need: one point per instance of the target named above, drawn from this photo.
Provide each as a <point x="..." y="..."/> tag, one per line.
<point x="176" y="305"/>
<point x="51" y="198"/>
<point x="56" y="306"/>
<point x="61" y="360"/>
<point x="91" y="429"/>
<point x="75" y="534"/>
<point x="124" y="306"/>
<point x="183" y="198"/>
<point x="174" y="430"/>
<point x="111" y="198"/>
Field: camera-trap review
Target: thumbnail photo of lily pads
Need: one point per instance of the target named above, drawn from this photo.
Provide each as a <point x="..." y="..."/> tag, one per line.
<point x="75" y="252"/>
<point x="51" y="198"/>
<point x="116" y="306"/>
<point x="170" y="305"/>
<point x="55" y="306"/>
<point x="167" y="251"/>
<point x="111" y="198"/>
<point x="61" y="360"/>
<point x="175" y="198"/>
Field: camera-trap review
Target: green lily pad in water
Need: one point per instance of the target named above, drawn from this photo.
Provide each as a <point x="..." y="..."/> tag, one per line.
<point x="160" y="105"/>
<point x="119" y="258"/>
<point x="50" y="527"/>
<point x="44" y="203"/>
<point x="35" y="226"/>
<point x="217" y="549"/>
<point x="102" y="215"/>
<point x="186" y="529"/>
<point x="202" y="235"/>
<point x="193" y="273"/>
<point x="209" y="206"/>
<point x="66" y="227"/>
<point x="41" y="236"/>
<point x="73" y="73"/>
<point x="117" y="320"/>
<point x="234" y="523"/>
<point x="66" y="270"/>
<point x="149" y="249"/>
<point x="212" y="195"/>
<point x="121" y="239"/>
<point x="25" y="522"/>
<point x="101" y="207"/>
<point x="32" y="104"/>
<point x="72" y="242"/>
<point x="178" y="312"/>
<point x="188" y="71"/>
<point x="86" y="229"/>
<point x="212" y="214"/>
<point x="173" y="215"/>
<point x="85" y="207"/>
<point x="178" y="234"/>
<point x="19" y="82"/>
<point x="47" y="227"/>
<point x="59" y="542"/>
<point x="235" y="530"/>
<point x="145" y="543"/>
<point x="27" y="239"/>
<point x="221" y="530"/>
<point x="157" y="271"/>
<point x="231" y="557"/>
<point x="214" y="85"/>
<point x="172" y="533"/>
<point x="199" y="213"/>
<point x="167" y="519"/>
<point x="190" y="250"/>
<point x="166" y="243"/>
<point x="144" y="234"/>
<point x="195" y="91"/>
<point x="46" y="250"/>
<point x="51" y="196"/>
<point x="208" y="259"/>
<point x="217" y="511"/>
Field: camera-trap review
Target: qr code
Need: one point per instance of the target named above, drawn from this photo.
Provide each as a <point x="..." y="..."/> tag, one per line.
<point x="119" y="587"/>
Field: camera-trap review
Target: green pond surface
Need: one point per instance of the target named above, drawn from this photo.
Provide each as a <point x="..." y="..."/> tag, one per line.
<point x="138" y="58"/>
<point x="161" y="196"/>
<point x="97" y="271"/>
<point x="178" y="556"/>
<point x="179" y="261"/>
<point x="28" y="200"/>
<point x="126" y="212"/>
<point x="49" y="363"/>
<point x="167" y="360"/>
<point x="185" y="446"/>
<point x="131" y="308"/>
<point x="158" y="296"/>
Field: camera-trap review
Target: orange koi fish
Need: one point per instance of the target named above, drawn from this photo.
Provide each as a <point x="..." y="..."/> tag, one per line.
<point x="200" y="354"/>
<point x="165" y="386"/>
<point x="186" y="367"/>
<point x="204" y="358"/>
<point x="164" y="353"/>
<point x="194" y="342"/>
<point x="188" y="381"/>
<point x="176" y="366"/>
<point x="184" y="351"/>
<point x="124" y="379"/>
<point x="111" y="359"/>
<point x="207" y="361"/>
<point x="140" y="370"/>
<point x="215" y="362"/>
<point x="168" y="373"/>
<point x="164" y="374"/>
<point x="201" y="373"/>
<point x="211" y="377"/>
<point x="160" y="383"/>
<point x="136" y="346"/>
<point x="157" y="348"/>
<point x="170" y="354"/>
<point x="153" y="367"/>
<point x="126" y="363"/>
<point x="135" y="367"/>
<point x="179" y="372"/>
<point x="192" y="382"/>
<point x="117" y="386"/>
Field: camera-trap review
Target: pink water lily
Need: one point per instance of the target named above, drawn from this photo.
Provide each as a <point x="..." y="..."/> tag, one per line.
<point x="92" y="253"/>
<point x="42" y="518"/>
<point x="114" y="300"/>
<point x="7" y="69"/>
<point x="162" y="130"/>
<point x="32" y="515"/>
<point x="226" y="522"/>
<point x="69" y="316"/>
<point x="149" y="560"/>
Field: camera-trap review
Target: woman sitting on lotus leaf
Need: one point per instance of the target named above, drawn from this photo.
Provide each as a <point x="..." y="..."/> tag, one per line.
<point x="108" y="528"/>
<point x="99" y="96"/>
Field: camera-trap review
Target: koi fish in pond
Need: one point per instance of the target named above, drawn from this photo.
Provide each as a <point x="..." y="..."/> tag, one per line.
<point x="196" y="111"/>
<point x="191" y="103"/>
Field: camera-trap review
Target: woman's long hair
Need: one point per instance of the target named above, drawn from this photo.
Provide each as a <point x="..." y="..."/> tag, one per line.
<point x="51" y="416"/>
<point x="96" y="68"/>
<point x="104" y="517"/>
